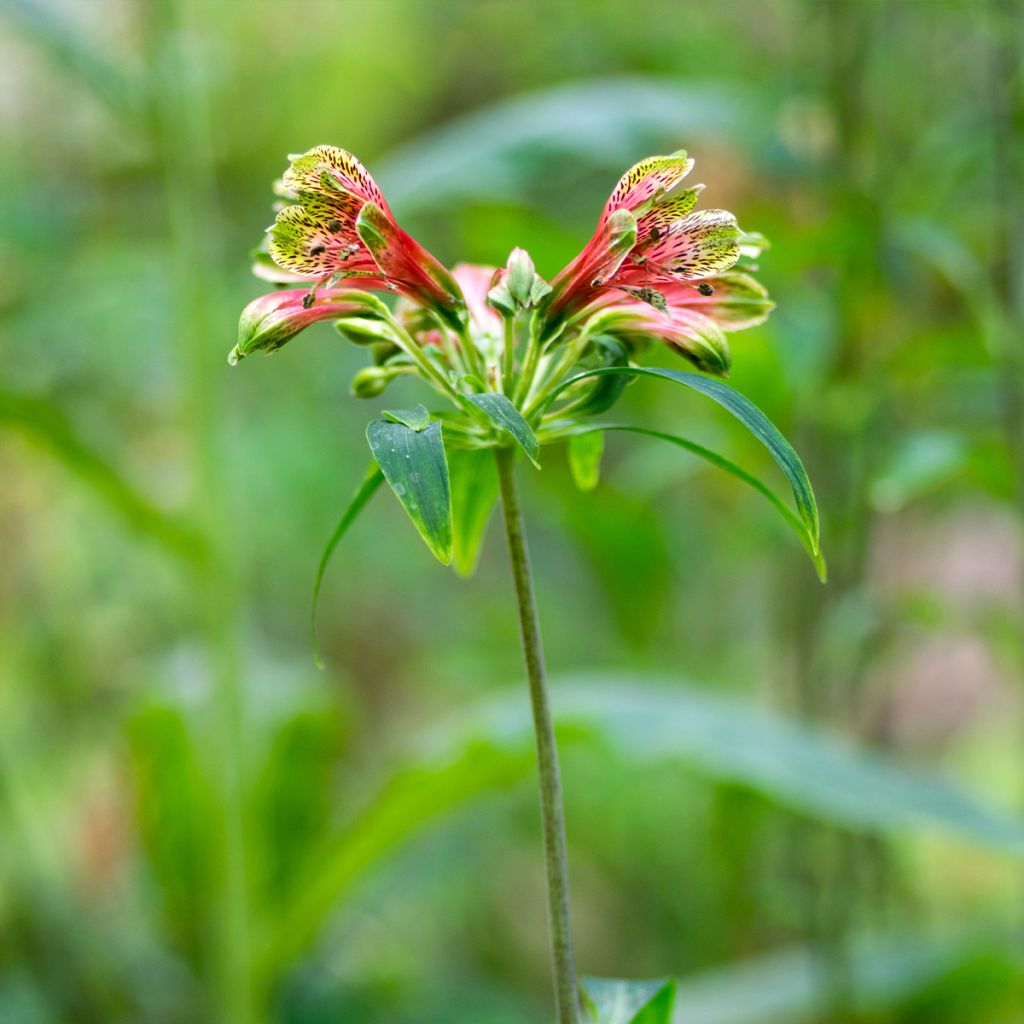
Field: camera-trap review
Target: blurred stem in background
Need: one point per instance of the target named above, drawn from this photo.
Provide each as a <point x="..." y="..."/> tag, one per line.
<point x="551" y="805"/>
<point x="183" y="148"/>
<point x="828" y="862"/>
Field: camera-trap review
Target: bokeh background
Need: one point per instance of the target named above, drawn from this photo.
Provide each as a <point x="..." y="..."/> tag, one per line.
<point x="197" y="825"/>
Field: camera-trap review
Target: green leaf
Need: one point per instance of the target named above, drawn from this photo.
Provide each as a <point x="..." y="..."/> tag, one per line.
<point x="629" y="1002"/>
<point x="605" y="391"/>
<point x="48" y="427"/>
<point x="417" y="419"/>
<point x="371" y="482"/>
<point x="584" y="451"/>
<point x="474" y="484"/>
<point x="799" y="525"/>
<point x="505" y="415"/>
<point x="748" y="414"/>
<point x="413" y="463"/>
<point x="489" y="746"/>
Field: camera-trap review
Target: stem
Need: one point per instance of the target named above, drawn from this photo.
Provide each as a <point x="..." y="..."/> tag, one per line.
<point x="552" y="811"/>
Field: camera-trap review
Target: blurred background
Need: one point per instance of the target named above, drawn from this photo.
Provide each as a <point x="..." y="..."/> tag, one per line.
<point x="196" y="825"/>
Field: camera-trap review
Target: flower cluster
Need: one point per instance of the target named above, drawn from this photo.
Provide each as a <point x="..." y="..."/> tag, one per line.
<point x="656" y="269"/>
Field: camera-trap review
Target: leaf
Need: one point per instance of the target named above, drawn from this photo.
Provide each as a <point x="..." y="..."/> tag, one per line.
<point x="605" y="391"/>
<point x="371" y="482"/>
<point x="629" y="1002"/>
<point x="798" y="525"/>
<point x="584" y="451"/>
<point x="919" y="464"/>
<point x="489" y="746"/>
<point x="506" y="416"/>
<point x="474" y="484"/>
<point x="48" y="427"/>
<point x="791" y="985"/>
<point x="497" y="151"/>
<point x="413" y="463"/>
<point x="417" y="419"/>
<point x="748" y="414"/>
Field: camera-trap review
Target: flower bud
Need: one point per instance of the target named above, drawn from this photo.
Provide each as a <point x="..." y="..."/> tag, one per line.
<point x="520" y="277"/>
<point x="370" y="381"/>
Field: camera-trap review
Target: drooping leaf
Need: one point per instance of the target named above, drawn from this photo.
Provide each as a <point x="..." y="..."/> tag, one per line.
<point x="506" y="416"/>
<point x="418" y="418"/>
<point x="747" y="413"/>
<point x="414" y="464"/>
<point x="371" y="482"/>
<point x="584" y="451"/>
<point x="799" y="525"/>
<point x="611" y="1001"/>
<point x="474" y="484"/>
<point x="489" y="746"/>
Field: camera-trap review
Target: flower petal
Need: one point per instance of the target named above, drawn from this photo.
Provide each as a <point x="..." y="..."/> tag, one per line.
<point x="325" y="168"/>
<point x="734" y="301"/>
<point x="405" y="262"/>
<point x="303" y="242"/>
<point x="271" y="320"/>
<point x="698" y="245"/>
<point x="646" y="182"/>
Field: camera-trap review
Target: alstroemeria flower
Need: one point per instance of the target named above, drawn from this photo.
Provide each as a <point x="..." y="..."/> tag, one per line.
<point x="646" y="240"/>
<point x="271" y="320"/>
<point x="691" y="318"/>
<point x="341" y="227"/>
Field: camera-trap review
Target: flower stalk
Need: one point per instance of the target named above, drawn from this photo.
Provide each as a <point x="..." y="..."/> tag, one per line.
<point x="552" y="808"/>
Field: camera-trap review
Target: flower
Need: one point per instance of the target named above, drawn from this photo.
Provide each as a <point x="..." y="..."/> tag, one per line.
<point x="693" y="321"/>
<point x="340" y="227"/>
<point x="655" y="269"/>
<point x="649" y="245"/>
<point x="271" y="320"/>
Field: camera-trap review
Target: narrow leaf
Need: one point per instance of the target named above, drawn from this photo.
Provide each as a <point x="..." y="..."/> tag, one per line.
<point x="371" y="482"/>
<point x="585" y="451"/>
<point x="418" y="418"/>
<point x="474" y="484"/>
<point x="489" y="746"/>
<point x="612" y="1001"/>
<point x="799" y="526"/>
<point x="505" y="415"/>
<point x="414" y="464"/>
<point x="747" y="413"/>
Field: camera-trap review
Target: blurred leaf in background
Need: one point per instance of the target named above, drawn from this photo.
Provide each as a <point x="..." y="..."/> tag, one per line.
<point x="196" y="825"/>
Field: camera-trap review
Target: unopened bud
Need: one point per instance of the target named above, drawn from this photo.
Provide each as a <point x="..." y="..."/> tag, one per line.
<point x="520" y="277"/>
<point x="370" y="382"/>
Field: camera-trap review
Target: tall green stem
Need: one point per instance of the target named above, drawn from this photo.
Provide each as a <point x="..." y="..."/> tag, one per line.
<point x="552" y="811"/>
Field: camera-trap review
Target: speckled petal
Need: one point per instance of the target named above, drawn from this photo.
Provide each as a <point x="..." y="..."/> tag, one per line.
<point x="303" y="243"/>
<point x="734" y="301"/>
<point x="646" y="182"/>
<point x="696" y="246"/>
<point x="323" y="168"/>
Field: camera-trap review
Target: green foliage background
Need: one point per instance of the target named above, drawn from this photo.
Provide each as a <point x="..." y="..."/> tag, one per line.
<point x="197" y="825"/>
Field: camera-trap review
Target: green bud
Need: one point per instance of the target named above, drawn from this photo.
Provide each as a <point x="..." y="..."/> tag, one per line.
<point x="363" y="330"/>
<point x="520" y="276"/>
<point x="370" y="382"/>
